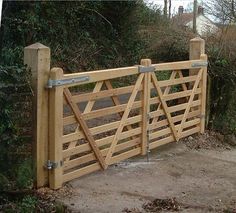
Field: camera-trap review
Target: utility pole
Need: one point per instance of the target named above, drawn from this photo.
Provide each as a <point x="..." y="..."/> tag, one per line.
<point x="195" y="16"/>
<point x="169" y="9"/>
<point x="165" y="8"/>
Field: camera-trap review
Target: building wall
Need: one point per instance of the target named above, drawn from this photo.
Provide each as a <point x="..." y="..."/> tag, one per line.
<point x="204" y="25"/>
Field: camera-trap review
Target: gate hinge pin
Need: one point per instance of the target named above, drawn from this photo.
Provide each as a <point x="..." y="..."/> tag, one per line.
<point x="52" y="165"/>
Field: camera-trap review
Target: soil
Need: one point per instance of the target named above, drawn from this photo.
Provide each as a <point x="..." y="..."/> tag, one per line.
<point x="196" y="174"/>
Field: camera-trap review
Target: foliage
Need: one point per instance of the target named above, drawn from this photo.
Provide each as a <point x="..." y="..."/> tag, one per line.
<point x="89" y="35"/>
<point x="24" y="178"/>
<point x="28" y="204"/>
<point x="13" y="81"/>
<point x="222" y="63"/>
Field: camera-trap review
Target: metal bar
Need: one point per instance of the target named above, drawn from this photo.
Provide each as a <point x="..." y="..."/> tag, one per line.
<point x="143" y="69"/>
<point x="200" y="64"/>
<point x="55" y="83"/>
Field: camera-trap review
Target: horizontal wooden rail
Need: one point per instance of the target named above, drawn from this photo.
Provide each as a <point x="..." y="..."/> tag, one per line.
<point x="101" y="75"/>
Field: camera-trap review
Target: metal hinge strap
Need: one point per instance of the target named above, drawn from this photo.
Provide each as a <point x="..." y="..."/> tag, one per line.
<point x="55" y="83"/>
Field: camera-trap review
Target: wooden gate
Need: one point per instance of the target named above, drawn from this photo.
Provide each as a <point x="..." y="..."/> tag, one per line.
<point x="126" y="112"/>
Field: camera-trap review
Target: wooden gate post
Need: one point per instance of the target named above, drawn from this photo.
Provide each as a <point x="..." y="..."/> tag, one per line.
<point x="37" y="58"/>
<point x="55" y="130"/>
<point x="145" y="106"/>
<point x="197" y="51"/>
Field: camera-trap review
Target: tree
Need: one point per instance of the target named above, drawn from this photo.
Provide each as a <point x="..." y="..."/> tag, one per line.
<point x="223" y="10"/>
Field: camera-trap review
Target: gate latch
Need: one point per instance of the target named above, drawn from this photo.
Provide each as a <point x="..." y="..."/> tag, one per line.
<point x="52" y="165"/>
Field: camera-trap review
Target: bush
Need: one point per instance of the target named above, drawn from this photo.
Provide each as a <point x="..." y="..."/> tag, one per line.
<point x="24" y="178"/>
<point x="28" y="204"/>
<point x="222" y="72"/>
<point x="15" y="146"/>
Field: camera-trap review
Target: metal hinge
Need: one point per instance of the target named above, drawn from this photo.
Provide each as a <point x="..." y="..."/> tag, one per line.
<point x="200" y="64"/>
<point x="142" y="69"/>
<point x="53" y="165"/>
<point x="55" y="83"/>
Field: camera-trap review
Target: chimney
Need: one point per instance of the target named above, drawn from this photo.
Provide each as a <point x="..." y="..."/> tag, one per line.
<point x="181" y="10"/>
<point x="200" y="10"/>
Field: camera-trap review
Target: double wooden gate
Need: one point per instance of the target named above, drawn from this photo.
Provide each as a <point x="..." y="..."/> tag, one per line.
<point x="113" y="122"/>
<point x="102" y="117"/>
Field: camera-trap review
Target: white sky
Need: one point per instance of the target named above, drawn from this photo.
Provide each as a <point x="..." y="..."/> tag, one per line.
<point x="175" y="3"/>
<point x="0" y="11"/>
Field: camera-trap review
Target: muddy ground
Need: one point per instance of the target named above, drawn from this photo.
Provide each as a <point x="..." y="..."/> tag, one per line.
<point x="194" y="175"/>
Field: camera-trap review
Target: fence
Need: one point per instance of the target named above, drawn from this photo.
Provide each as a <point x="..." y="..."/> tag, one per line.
<point x="128" y="112"/>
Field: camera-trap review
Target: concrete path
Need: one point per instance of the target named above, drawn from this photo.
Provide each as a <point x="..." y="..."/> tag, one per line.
<point x="202" y="181"/>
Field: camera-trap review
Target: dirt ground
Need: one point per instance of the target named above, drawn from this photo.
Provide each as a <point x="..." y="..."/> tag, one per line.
<point x="195" y="175"/>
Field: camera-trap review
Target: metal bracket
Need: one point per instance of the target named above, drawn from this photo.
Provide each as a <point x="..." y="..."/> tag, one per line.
<point x="52" y="165"/>
<point x="200" y="64"/>
<point x="55" y="83"/>
<point x="142" y="69"/>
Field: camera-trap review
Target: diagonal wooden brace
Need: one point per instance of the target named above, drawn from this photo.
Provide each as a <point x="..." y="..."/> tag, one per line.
<point x="166" y="91"/>
<point x="190" y="102"/>
<point x="87" y="133"/>
<point x="124" y="117"/>
<point x="165" y="107"/>
<point x="116" y="101"/>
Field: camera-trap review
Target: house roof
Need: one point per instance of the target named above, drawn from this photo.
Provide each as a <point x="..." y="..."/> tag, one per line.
<point x="183" y="19"/>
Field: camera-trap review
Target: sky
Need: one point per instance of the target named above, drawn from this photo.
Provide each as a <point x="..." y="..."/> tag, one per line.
<point x="175" y="3"/>
<point x="0" y="11"/>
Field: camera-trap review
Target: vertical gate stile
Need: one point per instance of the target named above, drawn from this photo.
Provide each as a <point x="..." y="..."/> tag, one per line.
<point x="55" y="130"/>
<point x="203" y="86"/>
<point x="145" y="106"/>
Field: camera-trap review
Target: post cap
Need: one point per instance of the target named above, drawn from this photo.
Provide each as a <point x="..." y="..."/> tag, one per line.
<point x="37" y="46"/>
